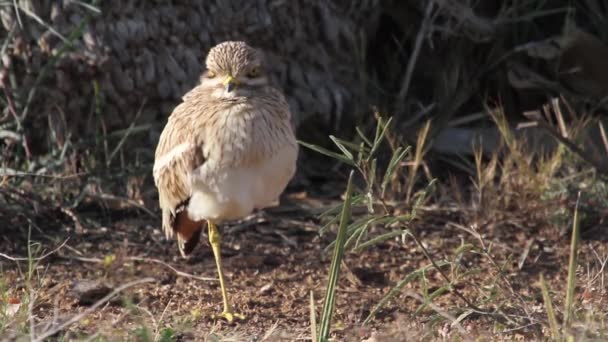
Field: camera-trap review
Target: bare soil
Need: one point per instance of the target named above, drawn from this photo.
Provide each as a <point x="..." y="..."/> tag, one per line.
<point x="274" y="259"/>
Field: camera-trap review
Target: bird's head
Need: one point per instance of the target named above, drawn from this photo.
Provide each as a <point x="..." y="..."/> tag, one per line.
<point x="234" y="69"/>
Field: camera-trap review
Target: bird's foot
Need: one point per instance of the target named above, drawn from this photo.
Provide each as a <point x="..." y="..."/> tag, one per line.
<point x="229" y="316"/>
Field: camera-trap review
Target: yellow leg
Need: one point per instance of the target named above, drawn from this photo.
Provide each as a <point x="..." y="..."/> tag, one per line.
<point x="215" y="239"/>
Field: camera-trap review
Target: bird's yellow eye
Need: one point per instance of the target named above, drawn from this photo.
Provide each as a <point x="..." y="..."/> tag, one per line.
<point x="253" y="73"/>
<point x="210" y="74"/>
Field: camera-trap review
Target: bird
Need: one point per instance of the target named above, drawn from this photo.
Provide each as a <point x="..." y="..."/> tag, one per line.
<point x="227" y="149"/>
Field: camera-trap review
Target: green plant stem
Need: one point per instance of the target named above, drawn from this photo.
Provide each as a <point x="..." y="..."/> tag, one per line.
<point x="334" y="271"/>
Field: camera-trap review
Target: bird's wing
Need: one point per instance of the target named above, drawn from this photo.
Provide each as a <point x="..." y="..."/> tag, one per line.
<point x="178" y="153"/>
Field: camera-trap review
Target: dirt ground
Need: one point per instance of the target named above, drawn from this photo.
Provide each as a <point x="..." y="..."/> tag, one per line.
<point x="275" y="258"/>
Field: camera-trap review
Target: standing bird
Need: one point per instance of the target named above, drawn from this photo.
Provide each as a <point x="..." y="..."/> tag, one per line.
<point x="227" y="149"/>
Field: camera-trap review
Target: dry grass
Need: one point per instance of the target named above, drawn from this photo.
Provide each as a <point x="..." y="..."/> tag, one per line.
<point x="502" y="221"/>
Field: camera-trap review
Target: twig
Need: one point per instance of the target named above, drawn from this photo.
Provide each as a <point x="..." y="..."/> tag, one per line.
<point x="142" y="259"/>
<point x="35" y="259"/>
<point x="178" y="272"/>
<point x="504" y="332"/>
<point x="92" y="308"/>
<point x="110" y="197"/>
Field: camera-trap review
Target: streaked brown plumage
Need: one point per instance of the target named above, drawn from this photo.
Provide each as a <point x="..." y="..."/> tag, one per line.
<point x="227" y="149"/>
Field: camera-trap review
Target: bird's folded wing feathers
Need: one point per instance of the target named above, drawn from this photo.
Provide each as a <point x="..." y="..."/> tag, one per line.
<point x="178" y="153"/>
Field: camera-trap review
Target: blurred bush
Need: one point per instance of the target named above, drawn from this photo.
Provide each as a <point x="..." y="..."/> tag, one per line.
<point x="78" y="69"/>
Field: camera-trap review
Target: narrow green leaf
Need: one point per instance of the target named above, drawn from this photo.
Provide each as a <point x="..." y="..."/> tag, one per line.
<point x="360" y="153"/>
<point x="422" y="196"/>
<point x="348" y="154"/>
<point x="358" y="230"/>
<point x="463" y="248"/>
<point x="354" y="146"/>
<point x="397" y="157"/>
<point x="328" y="153"/>
<point x="386" y="221"/>
<point x="429" y="299"/>
<point x="380" y="131"/>
<point x="356" y="200"/>
<point x="381" y="238"/>
<point x="352" y="229"/>
<point x="363" y="137"/>
<point x="334" y="271"/>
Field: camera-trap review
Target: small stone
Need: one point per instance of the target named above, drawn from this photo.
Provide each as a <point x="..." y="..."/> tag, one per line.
<point x="88" y="292"/>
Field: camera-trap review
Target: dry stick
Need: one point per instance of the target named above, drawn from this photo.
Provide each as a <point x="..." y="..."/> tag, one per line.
<point x="35" y="259"/>
<point x="104" y="196"/>
<point x="178" y="272"/>
<point x="92" y="308"/>
<point x="560" y="118"/>
<point x="504" y="332"/>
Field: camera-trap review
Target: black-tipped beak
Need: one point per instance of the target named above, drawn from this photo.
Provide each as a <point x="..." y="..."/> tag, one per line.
<point x="230" y="83"/>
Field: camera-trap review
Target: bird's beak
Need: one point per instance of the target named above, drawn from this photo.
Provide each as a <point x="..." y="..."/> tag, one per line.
<point x="230" y="83"/>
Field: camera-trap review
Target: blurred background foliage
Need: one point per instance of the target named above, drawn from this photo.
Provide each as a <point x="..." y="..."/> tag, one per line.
<point x="87" y="85"/>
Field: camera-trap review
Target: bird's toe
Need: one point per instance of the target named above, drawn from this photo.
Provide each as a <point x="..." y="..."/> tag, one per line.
<point x="229" y="316"/>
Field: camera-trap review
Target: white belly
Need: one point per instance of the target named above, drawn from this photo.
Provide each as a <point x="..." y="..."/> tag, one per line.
<point x="228" y="194"/>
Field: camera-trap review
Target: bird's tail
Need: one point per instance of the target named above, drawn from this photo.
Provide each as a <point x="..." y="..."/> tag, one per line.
<point x="188" y="232"/>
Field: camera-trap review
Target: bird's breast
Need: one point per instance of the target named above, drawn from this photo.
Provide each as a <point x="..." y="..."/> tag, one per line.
<point x="250" y="159"/>
<point x="228" y="193"/>
<point x="243" y="134"/>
